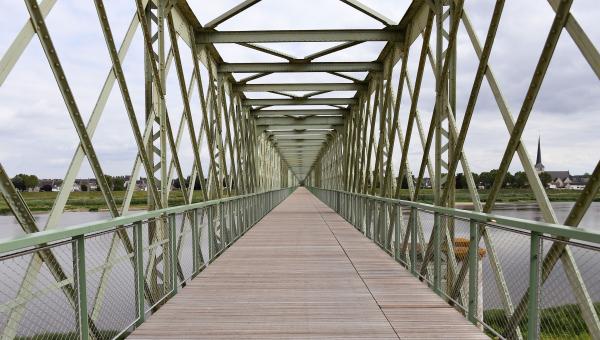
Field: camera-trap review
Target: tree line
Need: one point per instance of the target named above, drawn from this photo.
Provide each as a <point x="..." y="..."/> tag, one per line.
<point x="486" y="179"/>
<point x="25" y="182"/>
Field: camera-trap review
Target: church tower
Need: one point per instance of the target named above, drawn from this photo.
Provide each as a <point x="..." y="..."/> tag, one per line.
<point x="539" y="167"/>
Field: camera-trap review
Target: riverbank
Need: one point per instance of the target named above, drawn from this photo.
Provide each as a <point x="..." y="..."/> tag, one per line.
<point x="94" y="201"/>
<point x="504" y="196"/>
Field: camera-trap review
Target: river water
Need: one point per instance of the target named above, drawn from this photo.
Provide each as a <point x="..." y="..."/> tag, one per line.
<point x="511" y="249"/>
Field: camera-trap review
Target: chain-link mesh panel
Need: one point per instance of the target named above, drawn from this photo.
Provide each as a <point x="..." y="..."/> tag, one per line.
<point x="110" y="275"/>
<point x="505" y="277"/>
<point x="454" y="257"/>
<point x="156" y="261"/>
<point x="37" y="298"/>
<point x="202" y="218"/>
<point x="184" y="225"/>
<point x="565" y="311"/>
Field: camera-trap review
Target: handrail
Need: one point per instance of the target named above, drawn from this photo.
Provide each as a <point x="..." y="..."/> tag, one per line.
<point x="557" y="230"/>
<point x="219" y="223"/>
<point x="449" y="259"/>
<point x="14" y="243"/>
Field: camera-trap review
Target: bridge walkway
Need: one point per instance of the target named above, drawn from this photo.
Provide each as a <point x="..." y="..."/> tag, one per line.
<point x="304" y="272"/>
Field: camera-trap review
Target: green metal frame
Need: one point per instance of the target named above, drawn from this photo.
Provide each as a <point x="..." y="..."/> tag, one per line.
<point x="343" y="202"/>
<point x="256" y="205"/>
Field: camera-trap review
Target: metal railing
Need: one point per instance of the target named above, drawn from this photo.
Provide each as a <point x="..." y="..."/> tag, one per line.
<point x="100" y="280"/>
<point x="507" y="275"/>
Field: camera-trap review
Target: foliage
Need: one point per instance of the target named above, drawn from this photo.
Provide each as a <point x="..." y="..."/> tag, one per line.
<point x="545" y="178"/>
<point x="561" y="322"/>
<point x="118" y="183"/>
<point x="24" y="182"/>
<point x="520" y="180"/>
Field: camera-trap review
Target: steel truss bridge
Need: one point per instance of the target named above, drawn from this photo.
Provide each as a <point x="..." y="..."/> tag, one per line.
<point x="487" y="274"/>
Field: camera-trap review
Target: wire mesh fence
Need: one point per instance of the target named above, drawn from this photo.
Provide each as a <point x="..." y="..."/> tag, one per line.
<point x="102" y="279"/>
<point x="37" y="296"/>
<point x="512" y="278"/>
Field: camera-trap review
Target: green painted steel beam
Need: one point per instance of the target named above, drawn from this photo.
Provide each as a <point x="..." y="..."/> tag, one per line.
<point x="290" y="137"/>
<point x="229" y="37"/>
<point x="15" y="243"/>
<point x="300" y="67"/>
<point x="300" y="101"/>
<point x="297" y="112"/>
<point x="299" y="148"/>
<point x="556" y="230"/>
<point x="369" y="11"/>
<point x="300" y="122"/>
<point x="299" y="144"/>
<point x="326" y="129"/>
<point x="231" y="13"/>
<point x="299" y="87"/>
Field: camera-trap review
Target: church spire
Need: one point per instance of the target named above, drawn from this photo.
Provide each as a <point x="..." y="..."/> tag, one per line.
<point x="538" y="161"/>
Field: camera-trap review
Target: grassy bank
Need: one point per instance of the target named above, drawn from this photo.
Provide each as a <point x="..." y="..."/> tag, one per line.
<point x="505" y="195"/>
<point x="93" y="200"/>
<point x="561" y="322"/>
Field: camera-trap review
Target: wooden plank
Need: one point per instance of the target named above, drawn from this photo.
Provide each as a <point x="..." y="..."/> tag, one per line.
<point x="304" y="272"/>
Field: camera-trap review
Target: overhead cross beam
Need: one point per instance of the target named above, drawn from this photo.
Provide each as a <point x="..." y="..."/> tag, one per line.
<point x="369" y="11"/>
<point x="299" y="87"/>
<point x="231" y="13"/>
<point x="297" y="112"/>
<point x="300" y="67"/>
<point x="235" y="37"/>
<point x="300" y="101"/>
<point x="300" y="122"/>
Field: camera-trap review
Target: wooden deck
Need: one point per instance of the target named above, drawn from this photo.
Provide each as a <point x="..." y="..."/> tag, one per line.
<point x="303" y="272"/>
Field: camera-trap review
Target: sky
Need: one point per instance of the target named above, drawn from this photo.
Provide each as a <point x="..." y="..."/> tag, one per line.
<point x="37" y="135"/>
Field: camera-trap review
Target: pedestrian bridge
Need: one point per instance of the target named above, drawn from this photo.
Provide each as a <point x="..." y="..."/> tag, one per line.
<point x="288" y="191"/>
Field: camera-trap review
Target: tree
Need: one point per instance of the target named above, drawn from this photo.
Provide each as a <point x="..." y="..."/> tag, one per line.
<point x="487" y="178"/>
<point x="83" y="187"/>
<point x="118" y="184"/>
<point x="31" y="181"/>
<point x="520" y="180"/>
<point x="18" y="182"/>
<point x="109" y="181"/>
<point x="461" y="181"/>
<point x="23" y="181"/>
<point x="509" y="180"/>
<point x="197" y="185"/>
<point x="545" y="178"/>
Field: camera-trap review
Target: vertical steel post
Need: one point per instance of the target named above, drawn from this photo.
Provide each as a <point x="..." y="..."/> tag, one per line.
<point x="397" y="223"/>
<point x="211" y="233"/>
<point x="139" y="271"/>
<point x="437" y="256"/>
<point x="195" y="242"/>
<point x="224" y="234"/>
<point x="473" y="271"/>
<point x="78" y="249"/>
<point x="535" y="256"/>
<point x="413" y="240"/>
<point x="173" y="252"/>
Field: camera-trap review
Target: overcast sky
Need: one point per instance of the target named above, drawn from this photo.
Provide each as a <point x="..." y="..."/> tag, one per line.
<point x="37" y="135"/>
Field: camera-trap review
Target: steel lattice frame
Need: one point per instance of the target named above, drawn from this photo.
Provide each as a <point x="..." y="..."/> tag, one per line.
<point x="240" y="161"/>
<point x="359" y="141"/>
<point x="348" y="146"/>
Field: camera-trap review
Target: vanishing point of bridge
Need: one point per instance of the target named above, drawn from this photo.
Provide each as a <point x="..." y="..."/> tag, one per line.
<point x="301" y="215"/>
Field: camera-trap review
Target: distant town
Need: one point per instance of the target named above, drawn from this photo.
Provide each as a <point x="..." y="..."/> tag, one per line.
<point x="31" y="183"/>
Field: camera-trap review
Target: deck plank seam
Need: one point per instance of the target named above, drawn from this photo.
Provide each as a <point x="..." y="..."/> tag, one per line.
<point x="353" y="266"/>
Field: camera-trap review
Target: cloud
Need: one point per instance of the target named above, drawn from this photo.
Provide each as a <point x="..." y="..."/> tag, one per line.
<point x="37" y="135"/>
